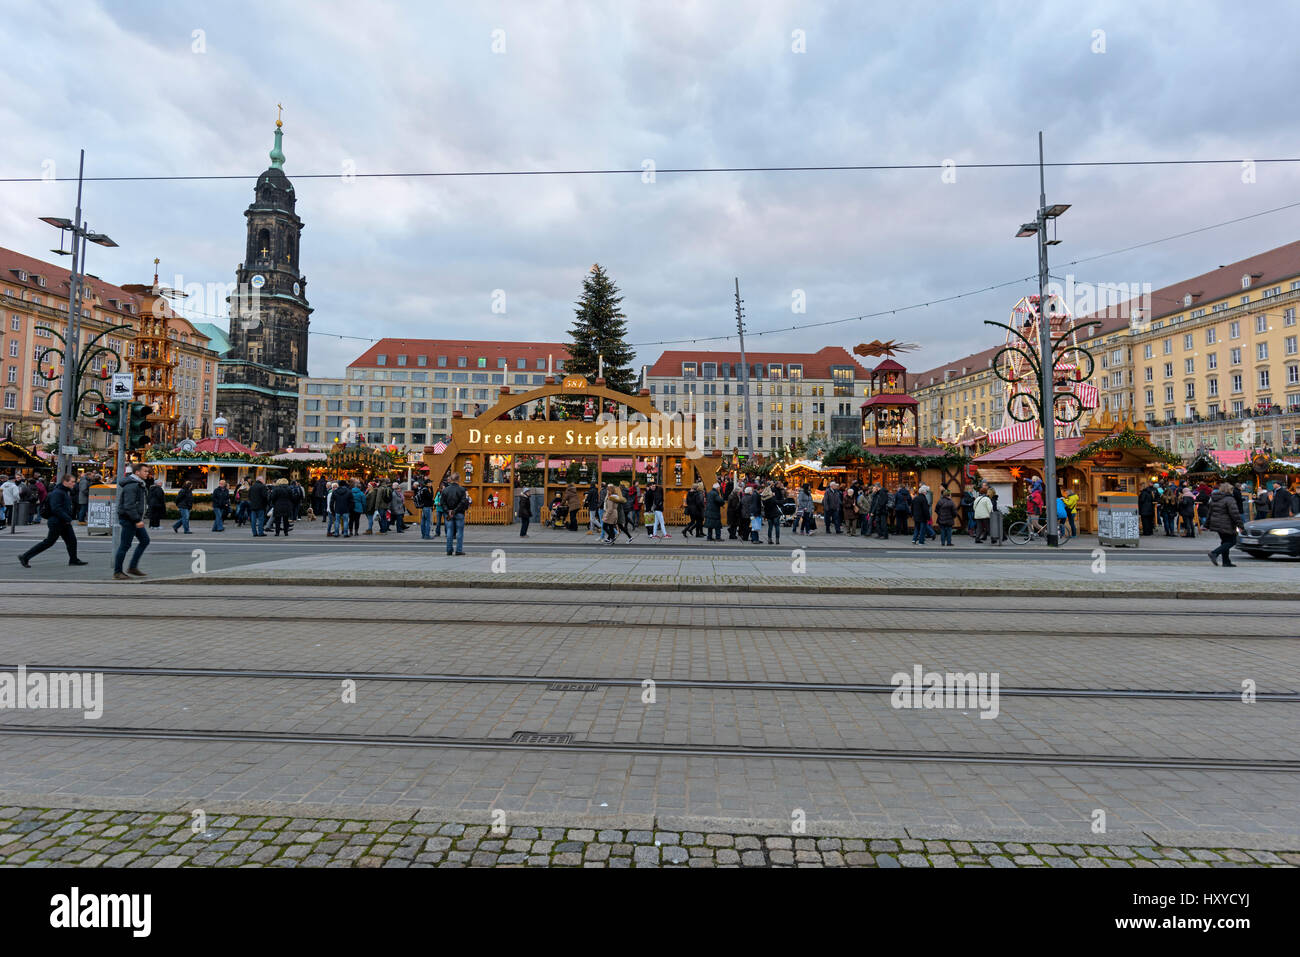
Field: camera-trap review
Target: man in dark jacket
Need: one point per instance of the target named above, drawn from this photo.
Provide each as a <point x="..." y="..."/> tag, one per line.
<point x="257" y="501"/>
<point x="1224" y="518"/>
<point x="220" y="502"/>
<point x="456" y="503"/>
<point x="132" y="503"/>
<point x="1147" y="509"/>
<point x="920" y="517"/>
<point x="735" y="513"/>
<point x="61" y="506"/>
<point x="752" y="508"/>
<point x="525" y="512"/>
<point x="880" y="512"/>
<point x="341" y="504"/>
<point x="945" y="514"/>
<point x="833" y="509"/>
<point x="318" y="496"/>
<point x="902" y="509"/>
<point x="713" y="512"/>
<point x="1283" y="506"/>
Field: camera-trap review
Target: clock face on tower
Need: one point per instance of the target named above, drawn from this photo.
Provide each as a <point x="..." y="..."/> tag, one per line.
<point x="297" y="289"/>
<point x="258" y="281"/>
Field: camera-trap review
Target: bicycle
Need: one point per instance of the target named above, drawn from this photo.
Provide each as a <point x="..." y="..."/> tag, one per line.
<point x="1022" y="533"/>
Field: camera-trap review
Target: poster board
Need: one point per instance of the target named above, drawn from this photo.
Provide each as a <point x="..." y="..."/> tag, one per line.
<point x="101" y="509"/>
<point x="1117" y="519"/>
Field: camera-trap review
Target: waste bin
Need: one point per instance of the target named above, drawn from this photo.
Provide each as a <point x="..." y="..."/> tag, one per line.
<point x="995" y="527"/>
<point x="22" y="514"/>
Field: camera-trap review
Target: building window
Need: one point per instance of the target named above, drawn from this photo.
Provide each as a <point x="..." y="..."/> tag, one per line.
<point x="1211" y="360"/>
<point x="1168" y="346"/>
<point x="688" y="370"/>
<point x="1236" y="382"/>
<point x="1146" y="351"/>
<point x="401" y="360"/>
<point x="1261" y="351"/>
<point x="1169" y="370"/>
<point x="1191" y="390"/>
<point x="1292" y="375"/>
<point x="11" y="400"/>
<point x="1169" y="393"/>
<point x="1189" y="366"/>
<point x="381" y="360"/>
<point x="1148" y="376"/>
<point x="1234" y="356"/>
<point x="1234" y="330"/>
<point x="1213" y="386"/>
<point x="1187" y="341"/>
<point x="1263" y="378"/>
<point x="1288" y="317"/>
<point x="1261" y="323"/>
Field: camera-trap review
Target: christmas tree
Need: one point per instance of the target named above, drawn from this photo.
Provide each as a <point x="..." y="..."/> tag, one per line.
<point x="598" y="334"/>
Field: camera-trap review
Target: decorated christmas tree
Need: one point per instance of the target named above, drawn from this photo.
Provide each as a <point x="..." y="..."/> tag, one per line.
<point x="597" y="335"/>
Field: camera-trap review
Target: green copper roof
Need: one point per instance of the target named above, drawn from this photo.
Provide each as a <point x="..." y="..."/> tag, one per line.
<point x="277" y="154"/>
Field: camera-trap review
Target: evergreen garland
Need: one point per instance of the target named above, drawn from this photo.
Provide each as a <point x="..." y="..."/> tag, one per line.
<point x="1127" y="439"/>
<point x="850" y="451"/>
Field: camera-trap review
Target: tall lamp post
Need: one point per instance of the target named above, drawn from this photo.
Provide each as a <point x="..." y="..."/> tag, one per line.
<point x="81" y="233"/>
<point x="1047" y="362"/>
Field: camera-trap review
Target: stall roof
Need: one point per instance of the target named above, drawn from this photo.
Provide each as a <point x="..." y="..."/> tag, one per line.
<point x="1030" y="450"/>
<point x="217" y="462"/>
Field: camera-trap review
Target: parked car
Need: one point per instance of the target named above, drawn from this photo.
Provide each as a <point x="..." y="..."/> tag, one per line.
<point x="1271" y="536"/>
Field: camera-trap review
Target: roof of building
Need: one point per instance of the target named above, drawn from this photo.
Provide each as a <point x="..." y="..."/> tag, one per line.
<point x="1031" y="450"/>
<point x="57" y="278"/>
<point x="1264" y="269"/>
<point x="218" y="341"/>
<point x="889" y="365"/>
<point x="222" y="446"/>
<point x="816" y="365"/>
<point x="888" y="398"/>
<point x="471" y="349"/>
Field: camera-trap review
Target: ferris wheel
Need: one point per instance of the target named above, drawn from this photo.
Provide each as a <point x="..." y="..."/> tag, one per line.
<point x="1017" y="364"/>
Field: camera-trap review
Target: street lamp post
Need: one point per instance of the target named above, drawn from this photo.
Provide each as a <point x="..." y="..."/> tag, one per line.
<point x="1046" y="352"/>
<point x="68" y="398"/>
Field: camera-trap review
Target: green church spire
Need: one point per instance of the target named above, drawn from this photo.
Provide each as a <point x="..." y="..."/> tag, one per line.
<point x="277" y="154"/>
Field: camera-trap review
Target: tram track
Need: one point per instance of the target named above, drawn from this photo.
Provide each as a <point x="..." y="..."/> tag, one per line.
<point x="527" y="742"/>
<point x="443" y="619"/>
<point x="585" y="683"/>
<point x="751" y="602"/>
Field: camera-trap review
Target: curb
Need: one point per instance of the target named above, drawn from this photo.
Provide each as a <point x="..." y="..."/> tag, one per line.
<point x="1127" y="837"/>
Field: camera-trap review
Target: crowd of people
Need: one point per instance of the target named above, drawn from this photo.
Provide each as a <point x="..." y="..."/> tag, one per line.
<point x="1183" y="508"/>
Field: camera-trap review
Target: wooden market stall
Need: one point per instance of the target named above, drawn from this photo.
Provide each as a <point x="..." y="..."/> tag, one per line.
<point x="496" y="455"/>
<point x="1113" y="455"/>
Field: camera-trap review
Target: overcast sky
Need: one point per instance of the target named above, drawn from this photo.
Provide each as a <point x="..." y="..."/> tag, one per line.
<point x="401" y="87"/>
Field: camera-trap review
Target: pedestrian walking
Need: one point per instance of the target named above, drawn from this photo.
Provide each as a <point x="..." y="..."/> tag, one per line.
<point x="735" y="513"/>
<point x="983" y="511"/>
<point x="184" y="502"/>
<point x="358" y="506"/>
<point x="83" y="496"/>
<point x="832" y="508"/>
<point x="60" y="513"/>
<point x="654" y="503"/>
<point x="132" y="505"/>
<point x="595" y="502"/>
<point x="424" y="502"/>
<point x="771" y="498"/>
<point x="525" y="512"/>
<point x="1224" y="518"/>
<point x="920" y="517"/>
<point x="10" y="495"/>
<point x="752" y="508"/>
<point x="341" y="503"/>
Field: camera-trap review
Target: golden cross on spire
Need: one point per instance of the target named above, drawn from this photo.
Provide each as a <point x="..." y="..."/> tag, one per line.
<point x="278" y="109"/>
<point x="156" y="261"/>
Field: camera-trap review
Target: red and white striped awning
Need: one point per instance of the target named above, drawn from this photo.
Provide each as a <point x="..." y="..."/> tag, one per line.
<point x="1015" y="432"/>
<point x="1087" y="393"/>
<point x="439" y="448"/>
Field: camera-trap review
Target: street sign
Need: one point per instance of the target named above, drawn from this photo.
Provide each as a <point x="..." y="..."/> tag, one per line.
<point x="123" y="386"/>
<point x="68" y="450"/>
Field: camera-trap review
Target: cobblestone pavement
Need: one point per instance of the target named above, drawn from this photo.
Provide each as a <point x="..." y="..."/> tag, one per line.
<point x="61" y="837"/>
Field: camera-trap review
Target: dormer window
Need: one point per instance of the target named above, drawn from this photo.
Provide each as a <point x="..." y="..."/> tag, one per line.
<point x="1245" y="281"/>
<point x="40" y="281"/>
<point x="1187" y="300"/>
<point x="22" y="275"/>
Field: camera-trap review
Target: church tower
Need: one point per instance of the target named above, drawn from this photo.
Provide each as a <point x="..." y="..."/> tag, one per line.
<point x="269" y="316"/>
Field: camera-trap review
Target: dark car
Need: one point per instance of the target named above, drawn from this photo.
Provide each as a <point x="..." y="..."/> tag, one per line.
<point x="1271" y="536"/>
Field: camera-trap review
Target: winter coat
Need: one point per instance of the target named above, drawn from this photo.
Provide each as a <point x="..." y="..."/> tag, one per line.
<point x="772" y="506"/>
<point x="257" y="497"/>
<point x="1187" y="506"/>
<point x="371" y="495"/>
<point x="804" y="501"/>
<point x="832" y="500"/>
<point x="735" y="511"/>
<point x="358" y="501"/>
<point x="61" y="507"/>
<point x="654" y="499"/>
<point x="220" y="498"/>
<point x="83" y="490"/>
<point x="1282" y="505"/>
<point x="610" y="511"/>
<point x="920" y="510"/>
<point x="1146" y="502"/>
<point x="340" y="501"/>
<point x="713" y="509"/>
<point x="525" y="506"/>
<point x="1225" y="517"/>
<point x="572" y="498"/>
<point x="983" y="507"/>
<point x="157" y="501"/>
<point x="695" y="503"/>
<point x="902" y="501"/>
<point x="880" y="503"/>
<point x="750" y="505"/>
<point x="281" y="501"/>
<point x="454" y="499"/>
<point x="132" y="499"/>
<point x="946" y="512"/>
<point x="185" y="498"/>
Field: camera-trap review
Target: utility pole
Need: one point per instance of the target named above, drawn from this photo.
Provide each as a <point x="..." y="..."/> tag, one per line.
<point x="1047" y="360"/>
<point x="1046" y="356"/>
<point x="69" y="397"/>
<point x="744" y="373"/>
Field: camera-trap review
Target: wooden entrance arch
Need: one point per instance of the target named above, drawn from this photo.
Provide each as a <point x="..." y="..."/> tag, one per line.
<point x="488" y="452"/>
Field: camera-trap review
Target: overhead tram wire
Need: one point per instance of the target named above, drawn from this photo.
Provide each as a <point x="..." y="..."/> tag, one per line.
<point x="873" y="167"/>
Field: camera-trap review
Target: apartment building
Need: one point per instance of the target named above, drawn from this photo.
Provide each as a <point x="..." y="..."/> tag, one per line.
<point x="34" y="306"/>
<point x="1211" y="360"/>
<point x="792" y="395"/>
<point x="403" y="391"/>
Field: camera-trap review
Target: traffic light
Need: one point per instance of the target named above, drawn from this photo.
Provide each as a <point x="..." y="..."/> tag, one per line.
<point x="110" y="416"/>
<point x="140" y="426"/>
